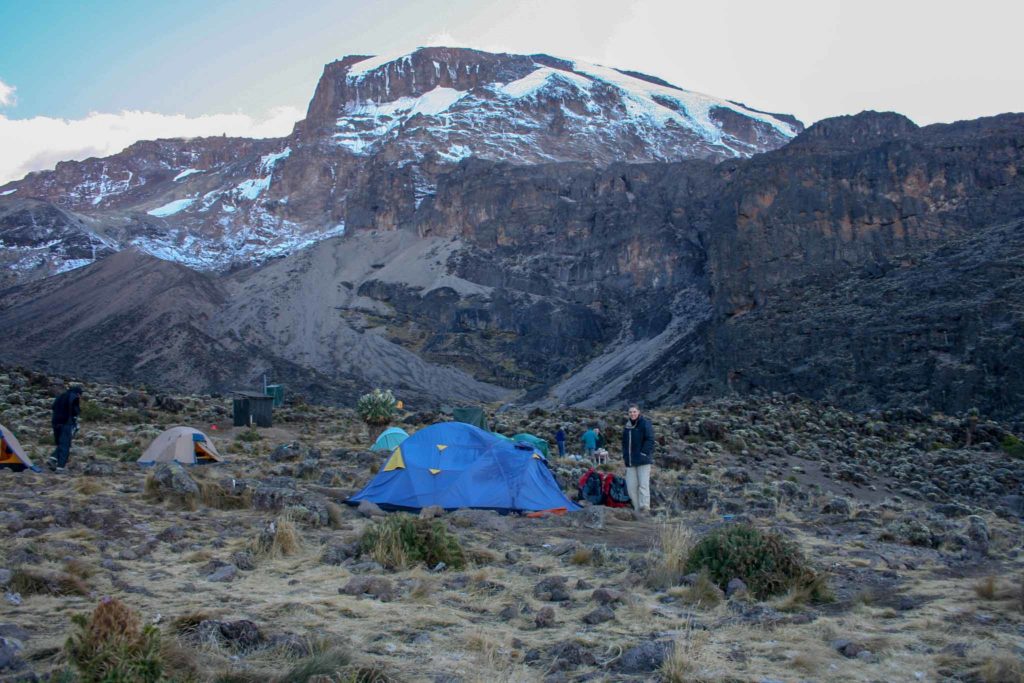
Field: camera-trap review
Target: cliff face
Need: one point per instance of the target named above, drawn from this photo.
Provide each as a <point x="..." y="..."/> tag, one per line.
<point x="866" y="253"/>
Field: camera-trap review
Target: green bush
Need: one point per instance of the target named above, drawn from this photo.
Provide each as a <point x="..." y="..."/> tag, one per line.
<point x="92" y="411"/>
<point x="251" y="435"/>
<point x="767" y="563"/>
<point x="401" y="540"/>
<point x="376" y="408"/>
<point x="111" y="646"/>
<point x="1013" y="446"/>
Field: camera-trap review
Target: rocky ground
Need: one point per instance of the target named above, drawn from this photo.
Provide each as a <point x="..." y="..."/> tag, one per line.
<point x="251" y="571"/>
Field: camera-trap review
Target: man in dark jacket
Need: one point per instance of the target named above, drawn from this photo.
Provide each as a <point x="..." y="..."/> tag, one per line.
<point x="638" y="455"/>
<point x="66" y="408"/>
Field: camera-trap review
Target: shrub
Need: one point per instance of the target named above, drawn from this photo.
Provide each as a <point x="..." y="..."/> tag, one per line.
<point x="401" y="540"/>
<point x="112" y="646"/>
<point x="250" y="435"/>
<point x="1013" y="446"/>
<point x="376" y="408"/>
<point x="32" y="582"/>
<point x="767" y="563"/>
<point x="90" y="411"/>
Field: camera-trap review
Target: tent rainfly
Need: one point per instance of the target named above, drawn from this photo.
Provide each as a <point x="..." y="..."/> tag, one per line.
<point x="471" y="416"/>
<point x="535" y="441"/>
<point x="181" y="444"/>
<point x="12" y="455"/>
<point x="390" y="439"/>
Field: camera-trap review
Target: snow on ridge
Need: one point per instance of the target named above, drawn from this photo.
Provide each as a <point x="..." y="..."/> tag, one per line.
<point x="649" y="99"/>
<point x="360" y="69"/>
<point x="186" y="173"/>
<point x="536" y="80"/>
<point x="171" y="208"/>
<point x="431" y="103"/>
<point x="366" y="122"/>
<point x="4" y="194"/>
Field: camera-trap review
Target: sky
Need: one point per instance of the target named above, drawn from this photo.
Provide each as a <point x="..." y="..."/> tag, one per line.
<point x="81" y="79"/>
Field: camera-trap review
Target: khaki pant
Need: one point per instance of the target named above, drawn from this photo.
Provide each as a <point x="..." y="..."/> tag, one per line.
<point x="638" y="483"/>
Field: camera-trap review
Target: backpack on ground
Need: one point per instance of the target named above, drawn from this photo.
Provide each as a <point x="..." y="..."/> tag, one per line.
<point x="591" y="487"/>
<point x="616" y="495"/>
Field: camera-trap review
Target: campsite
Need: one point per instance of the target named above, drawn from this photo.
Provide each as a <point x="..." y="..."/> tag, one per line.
<point x="256" y="569"/>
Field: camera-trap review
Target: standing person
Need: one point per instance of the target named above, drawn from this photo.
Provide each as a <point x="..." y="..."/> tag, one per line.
<point x="560" y="440"/>
<point x="66" y="408"/>
<point x="638" y="455"/>
<point x="589" y="443"/>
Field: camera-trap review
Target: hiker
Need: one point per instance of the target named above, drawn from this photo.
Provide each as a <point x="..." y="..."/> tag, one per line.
<point x="638" y="455"/>
<point x="560" y="440"/>
<point x="589" y="443"/>
<point x="66" y="408"/>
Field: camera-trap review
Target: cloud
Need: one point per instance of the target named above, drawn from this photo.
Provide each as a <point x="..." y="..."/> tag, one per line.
<point x="38" y="143"/>
<point x="7" y="98"/>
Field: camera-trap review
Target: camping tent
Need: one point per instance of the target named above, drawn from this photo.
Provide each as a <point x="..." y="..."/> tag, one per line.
<point x="12" y="455"/>
<point x="390" y="439"/>
<point x="182" y="444"/>
<point x="535" y="441"/>
<point x="471" y="416"/>
<point x="455" y="465"/>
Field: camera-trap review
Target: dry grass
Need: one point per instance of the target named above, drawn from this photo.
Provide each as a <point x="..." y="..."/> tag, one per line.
<point x="667" y="566"/>
<point x="33" y="582"/>
<point x="702" y="593"/>
<point x="986" y="588"/>
<point x="79" y="568"/>
<point x="1002" y="669"/>
<point x="689" y="661"/>
<point x="797" y="598"/>
<point x="281" y="538"/>
<point x="89" y="486"/>
<point x="582" y="556"/>
<point x="212" y="494"/>
<point x="335" y="515"/>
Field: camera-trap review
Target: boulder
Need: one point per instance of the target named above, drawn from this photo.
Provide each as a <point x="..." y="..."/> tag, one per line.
<point x="378" y="587"/>
<point x="172" y="480"/>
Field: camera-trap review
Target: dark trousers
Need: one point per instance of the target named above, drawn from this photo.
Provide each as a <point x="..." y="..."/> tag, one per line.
<point x="62" y="437"/>
<point x="561" y="449"/>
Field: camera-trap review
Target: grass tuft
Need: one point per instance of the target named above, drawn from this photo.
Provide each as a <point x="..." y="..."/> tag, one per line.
<point x="399" y="541"/>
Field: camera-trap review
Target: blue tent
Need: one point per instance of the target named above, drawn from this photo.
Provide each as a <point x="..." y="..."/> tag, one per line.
<point x="390" y="439"/>
<point x="456" y="465"/>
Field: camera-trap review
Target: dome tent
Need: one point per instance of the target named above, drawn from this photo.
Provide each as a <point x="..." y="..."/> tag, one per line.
<point x="12" y="455"/>
<point x="535" y="441"/>
<point x="181" y="444"/>
<point x="455" y="465"/>
<point x="390" y="439"/>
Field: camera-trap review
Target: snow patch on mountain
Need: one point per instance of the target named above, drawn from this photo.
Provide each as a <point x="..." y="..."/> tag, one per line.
<point x="4" y="194"/>
<point x="663" y="104"/>
<point x="252" y="188"/>
<point x="366" y="122"/>
<point x="171" y="208"/>
<point x="186" y="173"/>
<point x="539" y="79"/>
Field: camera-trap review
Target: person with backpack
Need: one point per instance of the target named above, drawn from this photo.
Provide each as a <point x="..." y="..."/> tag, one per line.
<point x="638" y="456"/>
<point x="560" y="440"/>
<point x="66" y="409"/>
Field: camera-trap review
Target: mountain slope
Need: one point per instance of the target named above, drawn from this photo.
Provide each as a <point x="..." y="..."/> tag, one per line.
<point x="379" y="135"/>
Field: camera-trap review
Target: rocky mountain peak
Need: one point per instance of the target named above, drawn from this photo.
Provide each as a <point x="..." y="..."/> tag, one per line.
<point x="860" y="130"/>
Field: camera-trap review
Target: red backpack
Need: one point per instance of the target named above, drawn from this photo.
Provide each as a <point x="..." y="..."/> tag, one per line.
<point x="616" y="495"/>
